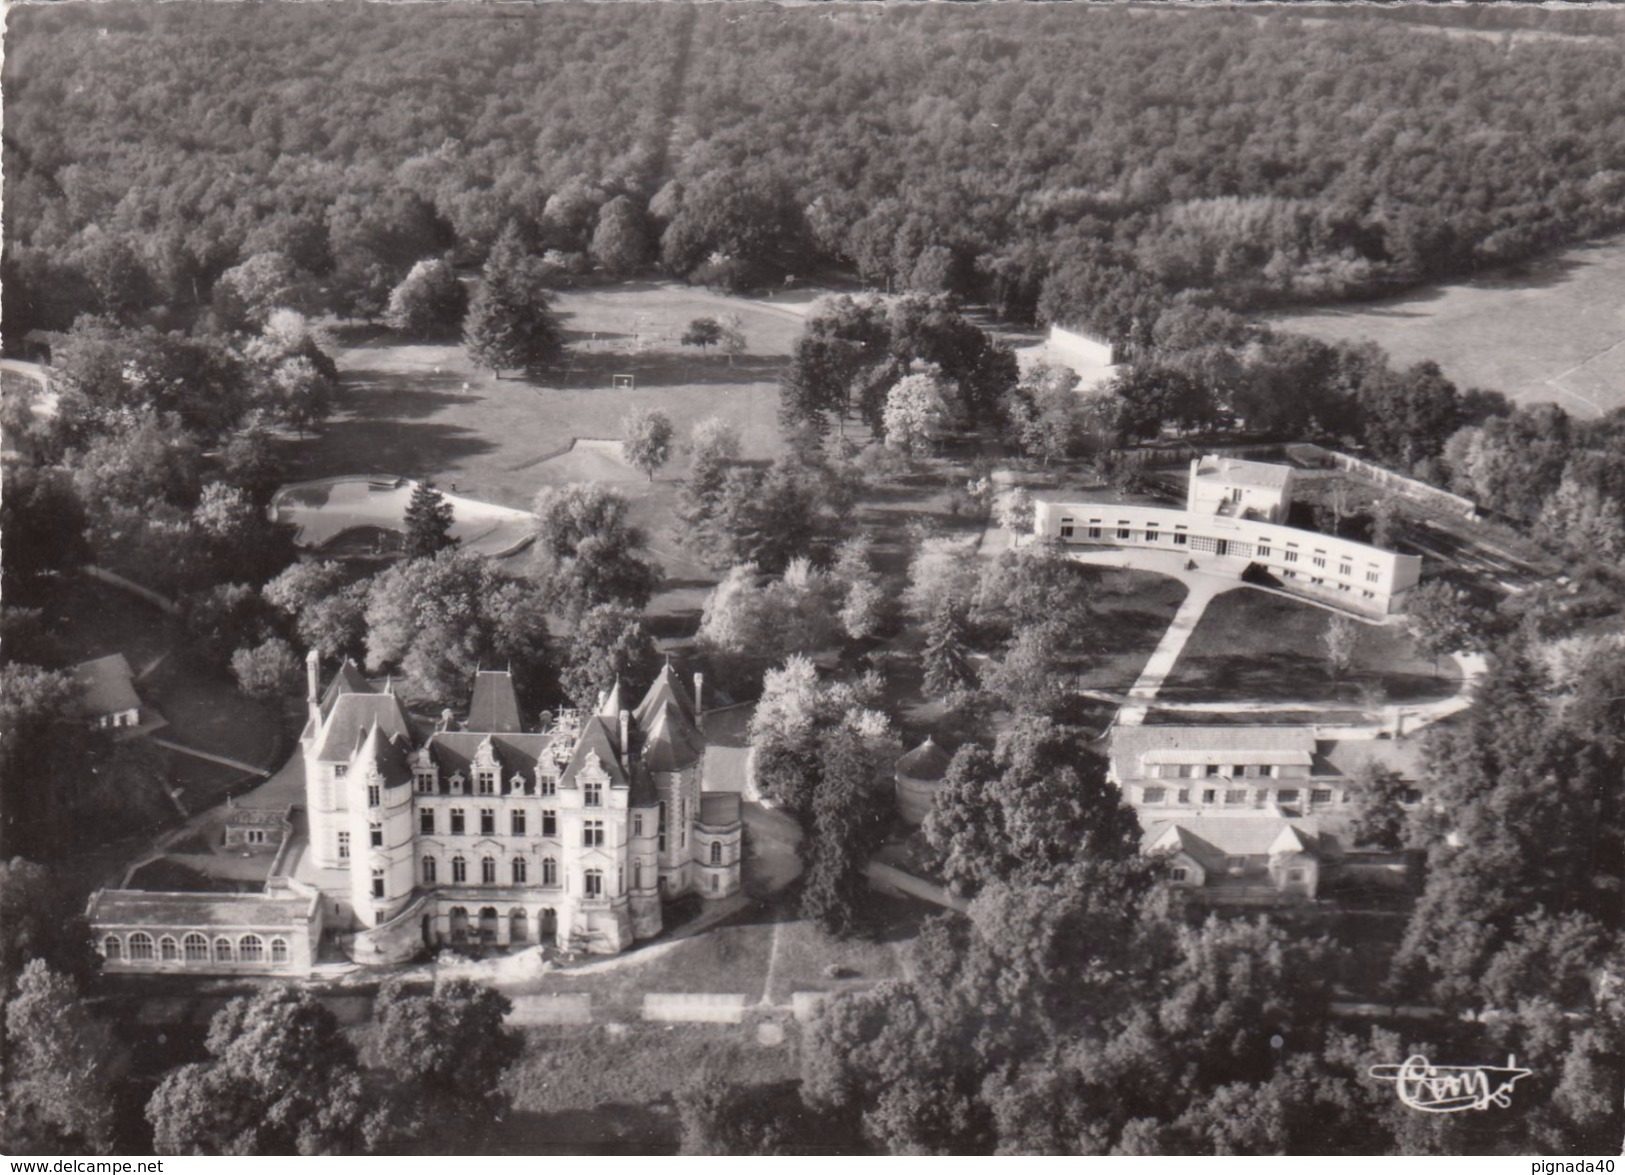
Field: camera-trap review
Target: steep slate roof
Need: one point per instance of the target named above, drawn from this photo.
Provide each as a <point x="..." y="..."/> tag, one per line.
<point x="671" y="740"/>
<point x="353" y="715"/>
<point x="610" y="706"/>
<point x="597" y="737"/>
<point x="106" y="686"/>
<point x="1212" y="840"/>
<point x="348" y="680"/>
<point x="667" y="686"/>
<point x="1208" y="744"/>
<point x="453" y="751"/>
<point x="495" y="708"/>
<point x="927" y="762"/>
<point x="387" y="755"/>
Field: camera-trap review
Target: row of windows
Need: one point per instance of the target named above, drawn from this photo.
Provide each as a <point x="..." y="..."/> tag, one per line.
<point x="518" y="871"/>
<point x="195" y="948"/>
<point x="1151" y="532"/>
<point x="485" y="784"/>
<point x="1240" y="795"/>
<point x="1214" y="770"/>
<point x="519" y="822"/>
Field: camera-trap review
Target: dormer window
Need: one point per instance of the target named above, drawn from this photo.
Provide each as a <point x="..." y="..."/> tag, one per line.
<point x="373" y="795"/>
<point x="457" y="785"/>
<point x="517" y="783"/>
<point x="549" y="785"/>
<point x="425" y="782"/>
<point x="592" y="793"/>
<point x="487" y="782"/>
<point x="340" y="770"/>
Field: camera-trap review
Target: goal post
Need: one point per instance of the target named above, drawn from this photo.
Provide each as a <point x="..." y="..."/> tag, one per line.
<point x="623" y="381"/>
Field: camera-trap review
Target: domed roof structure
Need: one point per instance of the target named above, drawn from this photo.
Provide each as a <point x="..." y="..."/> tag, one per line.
<point x="926" y="763"/>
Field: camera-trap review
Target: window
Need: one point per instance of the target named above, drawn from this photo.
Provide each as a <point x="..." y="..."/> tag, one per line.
<point x="426" y="821"/>
<point x="592" y="793"/>
<point x="459" y="870"/>
<point x="1179" y="873"/>
<point x="550" y="785"/>
<point x="592" y="833"/>
<point x="425" y="781"/>
<point x="1263" y="550"/>
<point x="519" y="871"/>
<point x="340" y="770"/>
<point x="195" y="947"/>
<point x="168" y="949"/>
<point x="279" y="952"/>
<point x="488" y="821"/>
<point x="715" y="883"/>
<point x="1151" y="532"/>
<point x="1287" y="795"/>
<point x="1094" y="531"/>
<point x="375" y="835"/>
<point x="1294" y="876"/>
<point x="457" y="822"/>
<point x="516" y="822"/>
<point x="716" y="852"/>
<point x="1289" y="556"/>
<point x="488" y="870"/>
<point x="1153" y="795"/>
<point x="431" y="870"/>
<point x="550" y="872"/>
<point x="1208" y="795"/>
<point x="1345" y="569"/>
<point x="550" y="822"/>
<point x="141" y="947"/>
<point x="377" y="883"/>
<point x="637" y="824"/>
<point x="1319" y="560"/>
<point x="1066" y="528"/>
<point x="637" y="874"/>
<point x="250" y="948"/>
<point x="373" y="795"/>
<point x="1369" y="594"/>
<point x="1235" y="795"/>
<point x="344" y="846"/>
<point x="1373" y="576"/>
<point x="1180" y="537"/>
<point x="457" y="785"/>
<point x="660" y="825"/>
<point x="1184" y="795"/>
<point x="1320" y="795"/>
<point x="1212" y="770"/>
<point x="487" y="782"/>
<point x="222" y="950"/>
<point x="1122" y="530"/>
<point x="595" y="883"/>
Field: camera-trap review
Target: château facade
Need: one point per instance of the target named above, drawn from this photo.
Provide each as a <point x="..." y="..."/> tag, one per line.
<point x="487" y="831"/>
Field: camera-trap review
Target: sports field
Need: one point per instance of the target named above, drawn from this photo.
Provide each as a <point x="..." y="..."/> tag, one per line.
<point x="1553" y="329"/>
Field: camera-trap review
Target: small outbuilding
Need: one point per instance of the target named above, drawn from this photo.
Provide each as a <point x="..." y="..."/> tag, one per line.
<point x="920" y="776"/>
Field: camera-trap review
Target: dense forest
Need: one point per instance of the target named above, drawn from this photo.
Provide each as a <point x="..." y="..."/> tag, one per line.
<point x="1078" y="164"/>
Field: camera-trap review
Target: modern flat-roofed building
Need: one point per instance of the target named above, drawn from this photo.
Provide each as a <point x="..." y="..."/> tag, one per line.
<point x="1234" y="488"/>
<point x="1356" y="576"/>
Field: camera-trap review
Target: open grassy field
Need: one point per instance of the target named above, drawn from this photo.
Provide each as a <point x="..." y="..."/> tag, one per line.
<point x="1550" y="330"/>
<point x="1132" y="610"/>
<point x="1258" y="646"/>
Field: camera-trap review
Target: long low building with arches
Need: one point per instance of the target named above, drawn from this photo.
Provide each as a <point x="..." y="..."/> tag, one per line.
<point x="207" y="933"/>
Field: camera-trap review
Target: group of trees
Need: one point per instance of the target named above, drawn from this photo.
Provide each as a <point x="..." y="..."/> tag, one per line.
<point x="1085" y="168"/>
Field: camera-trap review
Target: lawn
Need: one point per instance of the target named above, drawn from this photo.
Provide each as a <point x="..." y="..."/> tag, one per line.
<point x="1131" y="612"/>
<point x="1258" y="646"/>
<point x="1565" y="348"/>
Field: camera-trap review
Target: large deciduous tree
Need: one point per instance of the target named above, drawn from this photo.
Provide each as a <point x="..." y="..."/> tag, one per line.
<point x="60" y="1064"/>
<point x="430" y="302"/>
<point x="588" y="550"/>
<point x="609" y="644"/>
<point x="646" y="439"/>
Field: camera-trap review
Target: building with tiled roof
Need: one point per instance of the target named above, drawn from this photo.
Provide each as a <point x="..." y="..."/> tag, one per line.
<point x="1238" y="856"/>
<point x="108" y="699"/>
<point x="486" y="831"/>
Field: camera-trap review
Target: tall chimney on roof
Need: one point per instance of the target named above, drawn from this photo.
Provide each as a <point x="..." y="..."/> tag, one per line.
<point x="313" y="686"/>
<point x="626" y="745"/>
<point x="699" y="694"/>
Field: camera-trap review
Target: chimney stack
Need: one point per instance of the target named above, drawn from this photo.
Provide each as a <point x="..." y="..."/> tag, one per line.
<point x="699" y="694"/>
<point x="313" y="688"/>
<point x="626" y="745"/>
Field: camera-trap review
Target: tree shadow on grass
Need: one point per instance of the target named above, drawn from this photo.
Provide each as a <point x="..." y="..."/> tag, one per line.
<point x="406" y="396"/>
<point x="609" y="1129"/>
<point x="386" y="446"/>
